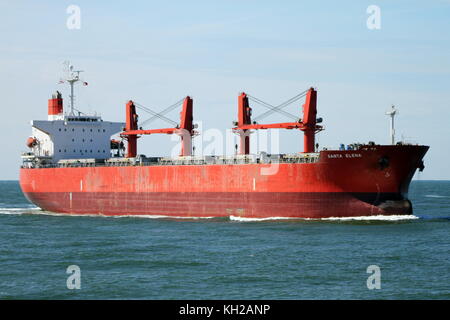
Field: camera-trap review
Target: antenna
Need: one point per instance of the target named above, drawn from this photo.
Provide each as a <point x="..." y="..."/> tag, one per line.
<point x="72" y="76"/>
<point x="392" y="114"/>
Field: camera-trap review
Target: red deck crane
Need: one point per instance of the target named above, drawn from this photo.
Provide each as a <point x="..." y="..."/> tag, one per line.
<point x="184" y="129"/>
<point x="308" y="125"/>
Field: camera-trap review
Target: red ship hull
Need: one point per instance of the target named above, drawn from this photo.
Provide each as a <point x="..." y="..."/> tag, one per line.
<point x="340" y="184"/>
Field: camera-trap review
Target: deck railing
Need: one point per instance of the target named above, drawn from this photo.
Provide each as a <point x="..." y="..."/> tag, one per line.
<point x="161" y="161"/>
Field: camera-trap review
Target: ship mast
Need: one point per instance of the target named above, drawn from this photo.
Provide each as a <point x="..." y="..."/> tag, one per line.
<point x="392" y="114"/>
<point x="73" y="76"/>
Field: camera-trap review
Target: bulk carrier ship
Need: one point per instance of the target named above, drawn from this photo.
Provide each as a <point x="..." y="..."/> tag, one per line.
<point x="74" y="167"/>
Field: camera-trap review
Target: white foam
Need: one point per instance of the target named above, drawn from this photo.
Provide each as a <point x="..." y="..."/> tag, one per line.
<point x="434" y="196"/>
<point x="18" y="210"/>
<point x="244" y="219"/>
<point x="375" y="218"/>
<point x="360" y="218"/>
<point x="58" y="214"/>
<point x="148" y="216"/>
<point x="38" y="211"/>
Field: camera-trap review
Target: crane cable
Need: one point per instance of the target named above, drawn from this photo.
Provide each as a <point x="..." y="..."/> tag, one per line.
<point x="160" y="115"/>
<point x="279" y="107"/>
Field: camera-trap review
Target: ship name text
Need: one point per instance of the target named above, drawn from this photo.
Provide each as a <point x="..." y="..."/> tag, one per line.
<point x="344" y="155"/>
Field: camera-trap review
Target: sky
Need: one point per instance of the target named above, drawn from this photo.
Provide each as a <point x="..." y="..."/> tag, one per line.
<point x="157" y="52"/>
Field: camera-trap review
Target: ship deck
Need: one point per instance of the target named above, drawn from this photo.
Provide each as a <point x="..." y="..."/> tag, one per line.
<point x="142" y="160"/>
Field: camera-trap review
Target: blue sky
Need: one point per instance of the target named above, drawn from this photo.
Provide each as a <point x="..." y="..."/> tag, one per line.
<point x="156" y="52"/>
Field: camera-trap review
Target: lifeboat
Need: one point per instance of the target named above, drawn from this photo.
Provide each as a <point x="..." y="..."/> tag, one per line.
<point x="31" y="142"/>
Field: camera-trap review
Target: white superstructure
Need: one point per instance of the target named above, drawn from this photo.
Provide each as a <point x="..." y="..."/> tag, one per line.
<point x="68" y="136"/>
<point x="74" y="137"/>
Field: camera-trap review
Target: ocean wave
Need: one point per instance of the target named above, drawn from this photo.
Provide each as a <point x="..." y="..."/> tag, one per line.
<point x="148" y="216"/>
<point x="38" y="211"/>
<point x="244" y="219"/>
<point x="360" y="218"/>
<point x="435" y="196"/>
<point x="18" y="210"/>
<point x="375" y="218"/>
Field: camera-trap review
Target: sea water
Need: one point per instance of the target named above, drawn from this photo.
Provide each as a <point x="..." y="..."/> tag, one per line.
<point x="226" y="258"/>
